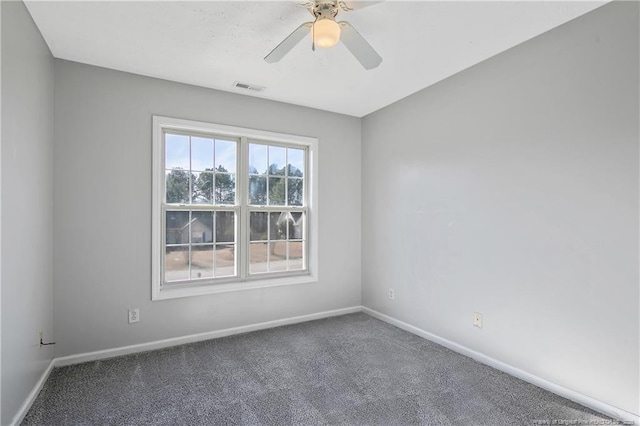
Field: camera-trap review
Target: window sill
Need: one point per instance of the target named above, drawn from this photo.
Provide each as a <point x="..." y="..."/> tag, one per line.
<point x="167" y="292"/>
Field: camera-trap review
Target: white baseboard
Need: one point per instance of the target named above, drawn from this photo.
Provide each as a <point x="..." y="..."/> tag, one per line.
<point x="26" y="405"/>
<point x="159" y="344"/>
<point x="587" y="401"/>
<point x="125" y="350"/>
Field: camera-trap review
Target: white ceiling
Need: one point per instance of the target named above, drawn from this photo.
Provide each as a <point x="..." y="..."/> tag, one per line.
<point x="213" y="44"/>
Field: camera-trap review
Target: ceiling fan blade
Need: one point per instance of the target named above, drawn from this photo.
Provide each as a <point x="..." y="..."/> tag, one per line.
<point x="288" y="43"/>
<point x="349" y="5"/>
<point x="358" y="46"/>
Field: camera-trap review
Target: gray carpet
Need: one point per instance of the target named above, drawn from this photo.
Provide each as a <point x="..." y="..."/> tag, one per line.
<point x="349" y="370"/>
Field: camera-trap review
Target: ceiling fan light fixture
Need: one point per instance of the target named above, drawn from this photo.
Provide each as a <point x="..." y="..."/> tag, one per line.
<point x="326" y="32"/>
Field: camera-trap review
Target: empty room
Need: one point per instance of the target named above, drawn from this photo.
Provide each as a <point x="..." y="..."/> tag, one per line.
<point x="320" y="212"/>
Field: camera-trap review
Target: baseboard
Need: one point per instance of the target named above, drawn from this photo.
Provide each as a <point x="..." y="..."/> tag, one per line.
<point x="582" y="399"/>
<point x="159" y="344"/>
<point x="26" y="405"/>
<point x="572" y="395"/>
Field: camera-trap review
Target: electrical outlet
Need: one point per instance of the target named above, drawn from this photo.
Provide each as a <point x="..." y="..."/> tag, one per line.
<point x="477" y="319"/>
<point x="392" y="294"/>
<point x="134" y="315"/>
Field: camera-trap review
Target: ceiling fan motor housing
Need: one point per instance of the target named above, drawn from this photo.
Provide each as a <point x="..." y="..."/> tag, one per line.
<point x="325" y="9"/>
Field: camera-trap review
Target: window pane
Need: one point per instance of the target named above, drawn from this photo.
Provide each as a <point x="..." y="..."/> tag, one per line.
<point x="278" y="225"/>
<point x="225" y="156"/>
<point x="225" y="260"/>
<point x="176" y="154"/>
<point x="277" y="160"/>
<point x="257" y="257"/>
<point x="201" y="228"/>
<point x="177" y="227"/>
<point x="296" y="249"/>
<point x="201" y="262"/>
<point x="225" y="227"/>
<point x="296" y="226"/>
<point x="225" y="188"/>
<point x="276" y="191"/>
<point x="201" y="154"/>
<point x="277" y="256"/>
<point x="177" y="186"/>
<point x="295" y="162"/>
<point x="258" y="190"/>
<point x="176" y="263"/>
<point x="201" y="243"/>
<point x="202" y="188"/>
<point x="294" y="192"/>
<point x="258" y="226"/>
<point x="257" y="159"/>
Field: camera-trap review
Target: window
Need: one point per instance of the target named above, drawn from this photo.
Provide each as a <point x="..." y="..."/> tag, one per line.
<point x="233" y="208"/>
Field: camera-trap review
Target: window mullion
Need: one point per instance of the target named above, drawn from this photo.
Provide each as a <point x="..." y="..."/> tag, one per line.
<point x="190" y="185"/>
<point x="214" y="239"/>
<point x="287" y="247"/>
<point x="189" y="241"/>
<point x="242" y="196"/>
<point x="266" y="201"/>
<point x="268" y="241"/>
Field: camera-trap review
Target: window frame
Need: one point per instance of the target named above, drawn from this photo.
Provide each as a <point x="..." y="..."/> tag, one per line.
<point x="243" y="280"/>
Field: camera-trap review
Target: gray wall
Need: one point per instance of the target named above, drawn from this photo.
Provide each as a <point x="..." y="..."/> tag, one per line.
<point x="27" y="172"/>
<point x="102" y="210"/>
<point x="511" y="189"/>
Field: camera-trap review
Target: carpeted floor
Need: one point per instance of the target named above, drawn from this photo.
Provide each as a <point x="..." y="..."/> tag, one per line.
<point x="348" y="370"/>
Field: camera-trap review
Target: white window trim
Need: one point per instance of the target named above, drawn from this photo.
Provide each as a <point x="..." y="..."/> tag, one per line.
<point x="160" y="292"/>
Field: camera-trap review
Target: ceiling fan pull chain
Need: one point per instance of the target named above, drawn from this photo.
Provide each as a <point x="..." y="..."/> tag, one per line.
<point x="313" y="36"/>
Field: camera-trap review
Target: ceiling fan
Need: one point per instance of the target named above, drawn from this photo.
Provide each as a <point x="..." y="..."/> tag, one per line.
<point x="326" y="32"/>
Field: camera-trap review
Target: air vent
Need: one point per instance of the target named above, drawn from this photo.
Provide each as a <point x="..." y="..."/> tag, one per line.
<point x="247" y="86"/>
